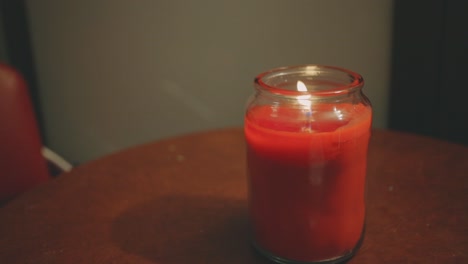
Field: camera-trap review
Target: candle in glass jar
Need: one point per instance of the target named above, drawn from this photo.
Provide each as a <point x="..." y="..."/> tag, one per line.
<point x="307" y="172"/>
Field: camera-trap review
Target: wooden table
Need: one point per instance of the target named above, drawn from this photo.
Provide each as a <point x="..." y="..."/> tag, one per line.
<point x="183" y="200"/>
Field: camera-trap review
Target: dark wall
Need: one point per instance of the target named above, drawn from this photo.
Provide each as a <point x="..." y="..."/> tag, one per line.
<point x="429" y="91"/>
<point x="17" y="45"/>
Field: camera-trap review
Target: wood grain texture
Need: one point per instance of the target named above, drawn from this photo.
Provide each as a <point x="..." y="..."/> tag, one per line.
<point x="183" y="200"/>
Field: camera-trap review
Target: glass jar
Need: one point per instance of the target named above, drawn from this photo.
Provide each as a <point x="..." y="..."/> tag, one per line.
<point x="307" y="130"/>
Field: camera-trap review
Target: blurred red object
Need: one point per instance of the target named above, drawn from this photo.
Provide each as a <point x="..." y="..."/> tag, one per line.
<point x="22" y="165"/>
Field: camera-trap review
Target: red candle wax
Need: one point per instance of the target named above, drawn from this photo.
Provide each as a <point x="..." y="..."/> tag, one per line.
<point x="307" y="180"/>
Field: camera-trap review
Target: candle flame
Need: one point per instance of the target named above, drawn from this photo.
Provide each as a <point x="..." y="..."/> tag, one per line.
<point x="303" y="99"/>
<point x="301" y="87"/>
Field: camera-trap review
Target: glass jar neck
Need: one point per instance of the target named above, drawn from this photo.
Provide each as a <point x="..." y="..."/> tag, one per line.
<point x="309" y="82"/>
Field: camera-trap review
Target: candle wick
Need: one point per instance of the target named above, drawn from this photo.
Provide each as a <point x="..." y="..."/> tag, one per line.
<point x="308" y="127"/>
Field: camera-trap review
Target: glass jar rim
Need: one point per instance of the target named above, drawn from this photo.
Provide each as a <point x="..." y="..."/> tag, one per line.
<point x="354" y="82"/>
